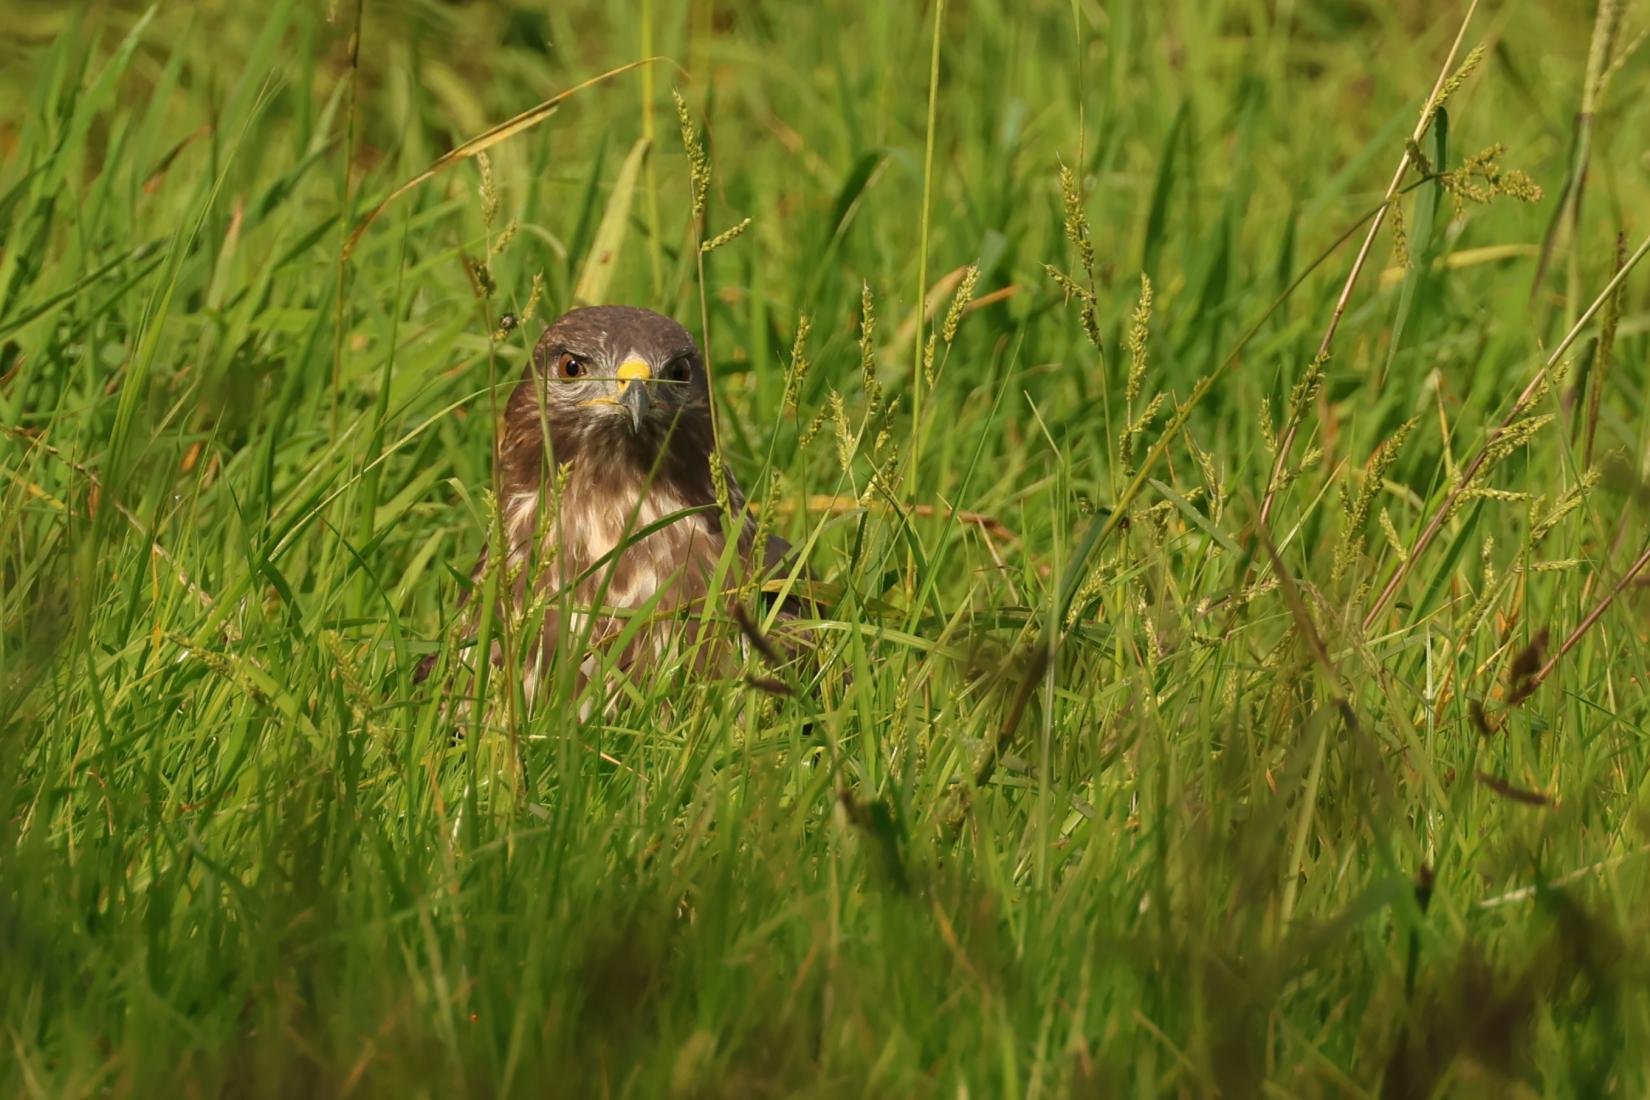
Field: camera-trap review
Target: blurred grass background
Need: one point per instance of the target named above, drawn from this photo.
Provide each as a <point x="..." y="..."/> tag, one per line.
<point x="1228" y="840"/>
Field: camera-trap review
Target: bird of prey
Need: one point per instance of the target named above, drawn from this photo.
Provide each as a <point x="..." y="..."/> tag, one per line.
<point x="609" y="433"/>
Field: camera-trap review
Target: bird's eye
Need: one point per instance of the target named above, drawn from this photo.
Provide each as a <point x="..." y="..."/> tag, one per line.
<point x="680" y="369"/>
<point x="569" y="365"/>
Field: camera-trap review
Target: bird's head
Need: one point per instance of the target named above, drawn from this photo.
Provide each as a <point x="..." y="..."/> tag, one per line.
<point x="607" y="370"/>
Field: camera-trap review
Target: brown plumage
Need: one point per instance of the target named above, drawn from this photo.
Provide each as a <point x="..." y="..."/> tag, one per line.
<point x="620" y="397"/>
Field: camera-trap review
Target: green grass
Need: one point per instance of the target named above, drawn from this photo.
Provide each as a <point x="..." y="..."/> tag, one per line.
<point x="1115" y="794"/>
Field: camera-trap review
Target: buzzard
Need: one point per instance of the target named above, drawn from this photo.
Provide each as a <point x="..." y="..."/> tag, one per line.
<point x="607" y="500"/>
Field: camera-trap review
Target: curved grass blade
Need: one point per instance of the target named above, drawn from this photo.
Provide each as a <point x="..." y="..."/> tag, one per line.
<point x="610" y="234"/>
<point x="489" y="138"/>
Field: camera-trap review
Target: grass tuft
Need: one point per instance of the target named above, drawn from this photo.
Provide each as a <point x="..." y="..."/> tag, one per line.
<point x="1262" y="713"/>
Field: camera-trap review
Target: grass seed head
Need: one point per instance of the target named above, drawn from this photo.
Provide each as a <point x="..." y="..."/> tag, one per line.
<point x="489" y="192"/>
<point x="533" y="296"/>
<point x="1139" y="331"/>
<point x="698" y="162"/>
<point x="1400" y="233"/>
<point x="846" y="444"/>
<point x="1357" y="506"/>
<point x="1452" y="84"/>
<point x="798" y="370"/>
<point x="868" y="350"/>
<point x="719" y="482"/>
<point x="1480" y="179"/>
<point x="1394" y="543"/>
<point x="959" y="303"/>
<point x="1068" y="284"/>
<point x="1306" y="389"/>
<point x="1077" y="222"/>
<point x="724" y="237"/>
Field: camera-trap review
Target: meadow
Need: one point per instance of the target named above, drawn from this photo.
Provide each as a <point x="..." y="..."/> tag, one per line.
<point x="1214" y="428"/>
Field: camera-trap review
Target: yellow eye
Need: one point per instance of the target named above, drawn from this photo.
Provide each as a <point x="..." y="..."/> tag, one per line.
<point x="569" y="365"/>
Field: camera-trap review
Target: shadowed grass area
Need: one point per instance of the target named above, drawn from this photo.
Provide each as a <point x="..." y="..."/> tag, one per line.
<point x="1222" y="691"/>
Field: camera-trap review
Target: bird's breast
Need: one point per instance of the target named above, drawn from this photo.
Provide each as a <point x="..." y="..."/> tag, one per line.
<point x="598" y="538"/>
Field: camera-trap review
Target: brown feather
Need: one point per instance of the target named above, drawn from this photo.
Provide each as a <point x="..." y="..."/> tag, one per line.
<point x="617" y="476"/>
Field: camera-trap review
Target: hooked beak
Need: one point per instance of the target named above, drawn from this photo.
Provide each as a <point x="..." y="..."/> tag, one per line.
<point x="630" y="391"/>
<point x="633" y="376"/>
